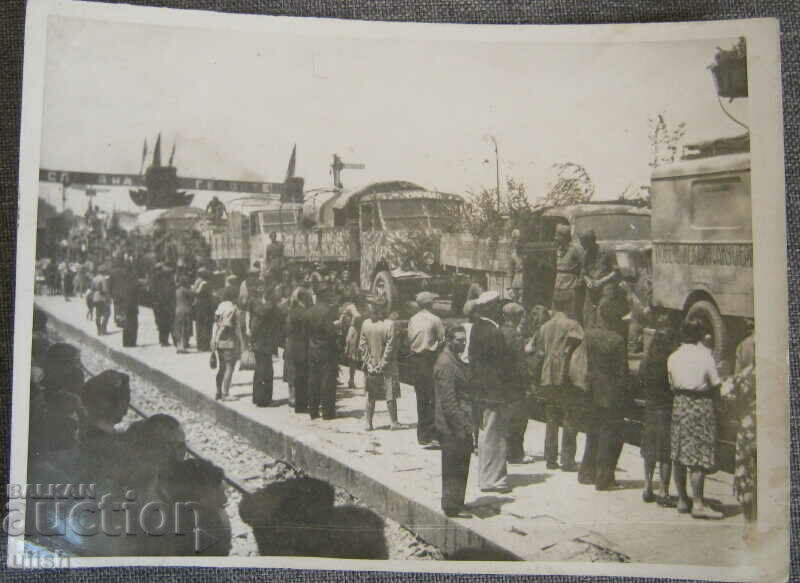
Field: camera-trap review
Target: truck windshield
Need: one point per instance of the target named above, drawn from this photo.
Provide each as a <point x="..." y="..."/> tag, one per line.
<point x="277" y="219"/>
<point x="615" y="227"/>
<point x="418" y="213"/>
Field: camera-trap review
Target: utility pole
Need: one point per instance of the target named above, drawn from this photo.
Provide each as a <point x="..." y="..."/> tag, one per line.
<point x="497" y="170"/>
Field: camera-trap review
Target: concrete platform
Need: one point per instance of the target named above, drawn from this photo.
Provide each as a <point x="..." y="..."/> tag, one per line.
<point x="547" y="517"/>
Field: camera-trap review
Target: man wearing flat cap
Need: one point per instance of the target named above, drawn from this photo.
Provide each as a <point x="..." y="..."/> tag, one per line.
<point x="425" y="338"/>
<point x="487" y="349"/>
<point x="569" y="259"/>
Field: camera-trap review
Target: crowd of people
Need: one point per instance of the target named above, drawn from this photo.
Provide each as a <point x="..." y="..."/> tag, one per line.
<point x="473" y="380"/>
<point x="74" y="439"/>
<point x="578" y="368"/>
<point x="167" y="503"/>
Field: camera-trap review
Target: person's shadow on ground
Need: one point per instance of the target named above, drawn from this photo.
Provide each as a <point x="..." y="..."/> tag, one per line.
<point x="521" y="480"/>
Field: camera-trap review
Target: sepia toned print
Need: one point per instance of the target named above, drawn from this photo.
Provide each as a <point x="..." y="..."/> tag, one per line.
<point x="408" y="296"/>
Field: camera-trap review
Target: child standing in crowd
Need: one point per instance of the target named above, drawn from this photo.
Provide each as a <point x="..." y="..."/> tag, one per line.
<point x="378" y="347"/>
<point x="228" y="340"/>
<point x="184" y="298"/>
<point x="654" y="380"/>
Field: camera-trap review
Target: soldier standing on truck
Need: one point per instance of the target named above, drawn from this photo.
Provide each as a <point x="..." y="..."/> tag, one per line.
<point x="216" y="210"/>
<point x="569" y="260"/>
<point x="600" y="275"/>
<point x="516" y="268"/>
<point x="274" y="255"/>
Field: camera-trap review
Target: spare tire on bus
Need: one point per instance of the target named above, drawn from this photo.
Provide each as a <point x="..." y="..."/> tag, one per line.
<point x="383" y="285"/>
<point x="708" y="314"/>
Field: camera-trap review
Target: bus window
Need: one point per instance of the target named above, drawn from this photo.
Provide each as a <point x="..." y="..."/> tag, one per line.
<point x="720" y="203"/>
<point x="254" y="224"/>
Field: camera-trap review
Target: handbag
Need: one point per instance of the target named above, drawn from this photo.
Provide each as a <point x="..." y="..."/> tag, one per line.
<point x="212" y="361"/>
<point x="247" y="360"/>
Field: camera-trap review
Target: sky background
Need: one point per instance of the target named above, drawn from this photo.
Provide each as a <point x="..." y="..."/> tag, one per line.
<point x="236" y="103"/>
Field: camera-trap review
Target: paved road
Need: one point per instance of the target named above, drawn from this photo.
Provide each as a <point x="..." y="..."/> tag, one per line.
<point x="547" y="516"/>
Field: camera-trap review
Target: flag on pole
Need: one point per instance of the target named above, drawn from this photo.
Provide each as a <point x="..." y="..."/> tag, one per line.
<point x="292" y="162"/>
<point x="172" y="154"/>
<point x="157" y="152"/>
<point x="144" y="155"/>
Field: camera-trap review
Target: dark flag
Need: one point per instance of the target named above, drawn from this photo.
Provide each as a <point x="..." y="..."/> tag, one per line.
<point x="172" y="154"/>
<point x="157" y="153"/>
<point x="144" y="155"/>
<point x="292" y="161"/>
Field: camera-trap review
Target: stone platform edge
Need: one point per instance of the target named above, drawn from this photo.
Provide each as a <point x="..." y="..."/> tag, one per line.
<point x="431" y="525"/>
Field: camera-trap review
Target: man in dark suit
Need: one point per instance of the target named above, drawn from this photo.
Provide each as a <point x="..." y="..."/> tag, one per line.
<point x="608" y="384"/>
<point x="127" y="291"/>
<point x="162" y="292"/>
<point x="516" y="368"/>
<point x="486" y="356"/>
<point x="322" y="336"/>
<point x="265" y="326"/>
<point x="295" y="356"/>
<point x="453" y="419"/>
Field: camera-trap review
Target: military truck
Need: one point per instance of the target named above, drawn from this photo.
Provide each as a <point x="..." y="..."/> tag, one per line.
<point x="703" y="245"/>
<point x="623" y="227"/>
<point x="237" y="241"/>
<point x="387" y="232"/>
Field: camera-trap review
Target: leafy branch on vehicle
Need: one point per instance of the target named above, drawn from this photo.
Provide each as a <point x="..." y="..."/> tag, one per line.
<point x="638" y="196"/>
<point x="482" y="217"/>
<point x="664" y="139"/>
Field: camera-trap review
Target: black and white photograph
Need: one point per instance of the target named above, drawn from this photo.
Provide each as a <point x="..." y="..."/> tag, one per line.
<point x="424" y="297"/>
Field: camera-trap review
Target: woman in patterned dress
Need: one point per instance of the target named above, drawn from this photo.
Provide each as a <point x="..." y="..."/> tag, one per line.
<point x="378" y="347"/>
<point x="744" y="406"/>
<point x="695" y="383"/>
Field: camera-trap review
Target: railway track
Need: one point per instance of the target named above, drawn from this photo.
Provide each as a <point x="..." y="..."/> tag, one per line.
<point x="246" y="468"/>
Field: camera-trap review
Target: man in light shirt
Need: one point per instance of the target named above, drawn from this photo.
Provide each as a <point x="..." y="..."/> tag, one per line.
<point x="695" y="382"/>
<point x="425" y="338"/>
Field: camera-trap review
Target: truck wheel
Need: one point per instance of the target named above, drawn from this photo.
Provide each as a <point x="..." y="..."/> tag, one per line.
<point x="383" y="285"/>
<point x="709" y="315"/>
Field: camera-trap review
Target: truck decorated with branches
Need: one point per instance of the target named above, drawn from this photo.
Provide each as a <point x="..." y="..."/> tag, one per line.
<point x="387" y="232"/>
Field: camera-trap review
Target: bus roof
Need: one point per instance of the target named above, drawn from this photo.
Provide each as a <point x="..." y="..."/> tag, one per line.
<point x="703" y="166"/>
